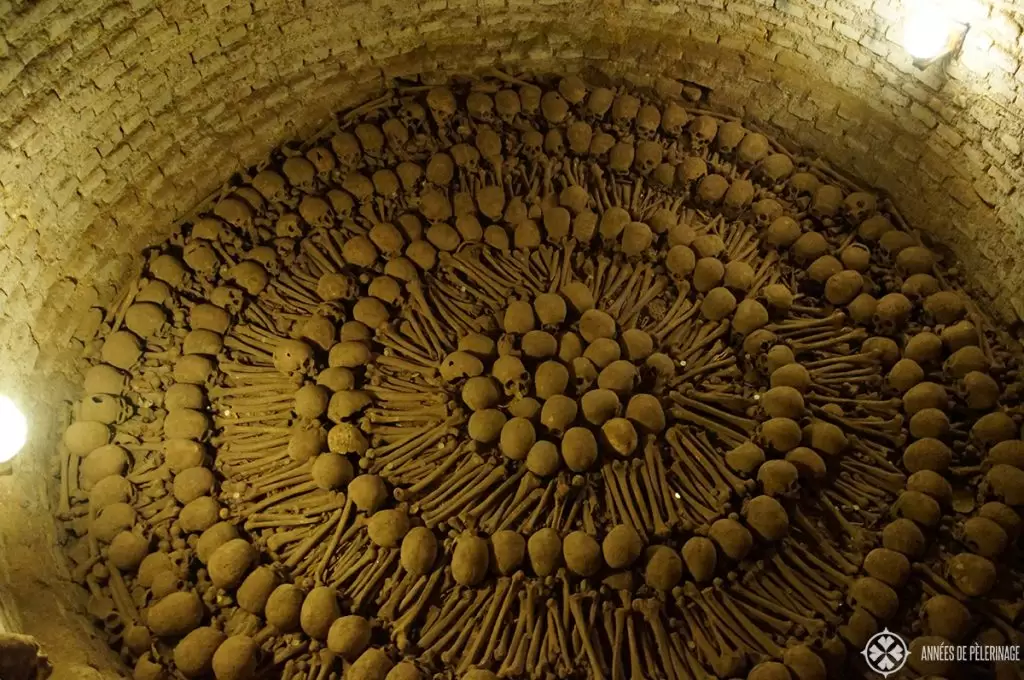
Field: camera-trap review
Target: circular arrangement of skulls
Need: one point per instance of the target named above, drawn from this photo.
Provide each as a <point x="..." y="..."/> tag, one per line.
<point x="541" y="379"/>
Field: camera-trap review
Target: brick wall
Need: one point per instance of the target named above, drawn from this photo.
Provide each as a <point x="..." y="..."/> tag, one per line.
<point x="116" y="117"/>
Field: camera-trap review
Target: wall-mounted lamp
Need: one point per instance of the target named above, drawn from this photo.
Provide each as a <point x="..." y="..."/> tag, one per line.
<point x="930" y="34"/>
<point x="13" y="432"/>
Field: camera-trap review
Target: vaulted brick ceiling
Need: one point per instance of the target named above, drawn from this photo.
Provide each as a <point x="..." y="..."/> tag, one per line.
<point x="117" y="117"/>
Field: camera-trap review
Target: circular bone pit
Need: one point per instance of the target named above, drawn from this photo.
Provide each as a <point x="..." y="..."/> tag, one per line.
<point x="534" y="378"/>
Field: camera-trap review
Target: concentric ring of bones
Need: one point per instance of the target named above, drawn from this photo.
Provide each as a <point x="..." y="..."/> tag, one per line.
<point x="540" y="379"/>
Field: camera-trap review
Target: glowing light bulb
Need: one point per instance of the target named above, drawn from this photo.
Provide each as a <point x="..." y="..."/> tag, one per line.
<point x="926" y="34"/>
<point x="13" y="429"/>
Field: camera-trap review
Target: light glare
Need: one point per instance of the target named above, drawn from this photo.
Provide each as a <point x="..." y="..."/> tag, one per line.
<point x="13" y="429"/>
<point x="926" y="34"/>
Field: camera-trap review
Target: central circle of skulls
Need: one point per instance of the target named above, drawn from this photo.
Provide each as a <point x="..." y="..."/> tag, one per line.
<point x="504" y="379"/>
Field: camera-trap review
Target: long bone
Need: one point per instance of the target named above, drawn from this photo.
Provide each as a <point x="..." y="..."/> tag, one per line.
<point x="483" y="644"/>
<point x="631" y="496"/>
<point x="495" y="497"/>
<point x="720" y="656"/>
<point x="651" y="610"/>
<point x="313" y="540"/>
<point x="765" y="642"/>
<point x="636" y="666"/>
<point x="434" y="638"/>
<point x="517" y="511"/>
<point x="465" y="498"/>
<point x="362" y="588"/>
<point x="626" y="511"/>
<point x="583" y="628"/>
<point x="840" y="560"/>
<point x="691" y="500"/>
<point x="816" y="599"/>
<point x="451" y="454"/>
<point x="541" y="507"/>
<point x="453" y="653"/>
<point x="416" y="469"/>
<point x="468" y="473"/>
<point x="892" y="482"/>
<point x="414" y="609"/>
<point x="741" y="588"/>
<point x="702" y="454"/>
<point x="437" y="438"/>
<point x="727" y="633"/>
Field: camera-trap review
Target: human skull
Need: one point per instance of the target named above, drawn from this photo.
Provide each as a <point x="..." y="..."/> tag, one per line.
<point x="480" y="107"/>
<point x="170" y="270"/>
<point x="228" y="298"/>
<point x="554" y="144"/>
<point x="511" y="374"/>
<point x="466" y="157"/>
<point x="529" y="98"/>
<point x="598" y="103"/>
<point x="409" y="174"/>
<point x="266" y="256"/>
<point x="620" y="158"/>
<point x="573" y="89"/>
<point x="285" y="249"/>
<point x="752" y="149"/>
<point x="201" y="258"/>
<point x="413" y="114"/>
<point x="346" y="147"/>
<point x="584" y="374"/>
<point x="342" y="203"/>
<point x="146" y="319"/>
<point x="648" y="157"/>
<point x="775" y="169"/>
<point x="156" y="292"/>
<point x="673" y="119"/>
<point x="300" y="173"/>
<point x="801" y="185"/>
<point x="323" y="160"/>
<point x="506" y="103"/>
<point x="766" y="211"/>
<point x="396" y="133"/>
<point x="624" y="112"/>
<point x="294" y="357"/>
<point x="648" y="118"/>
<point x="738" y="197"/>
<point x="891" y="313"/>
<point x="778" y="478"/>
<point x="289" y="225"/>
<point x="386" y="183"/>
<point x="702" y="132"/>
<point x="859" y="206"/>
<point x="359" y="185"/>
<point x="250" y="275"/>
<point x="271" y="186"/>
<point x="211" y="229"/>
<point x="826" y="202"/>
<point x="442" y="104"/>
<point x="235" y="212"/>
<point x="317" y="212"/>
<point x="729" y="137"/>
<point x="370" y="138"/>
<point x="691" y="170"/>
<point x="105" y="408"/>
<point x="252" y="197"/>
<point x="712" y="189"/>
<point x="488" y="142"/>
<point x="533" y="144"/>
